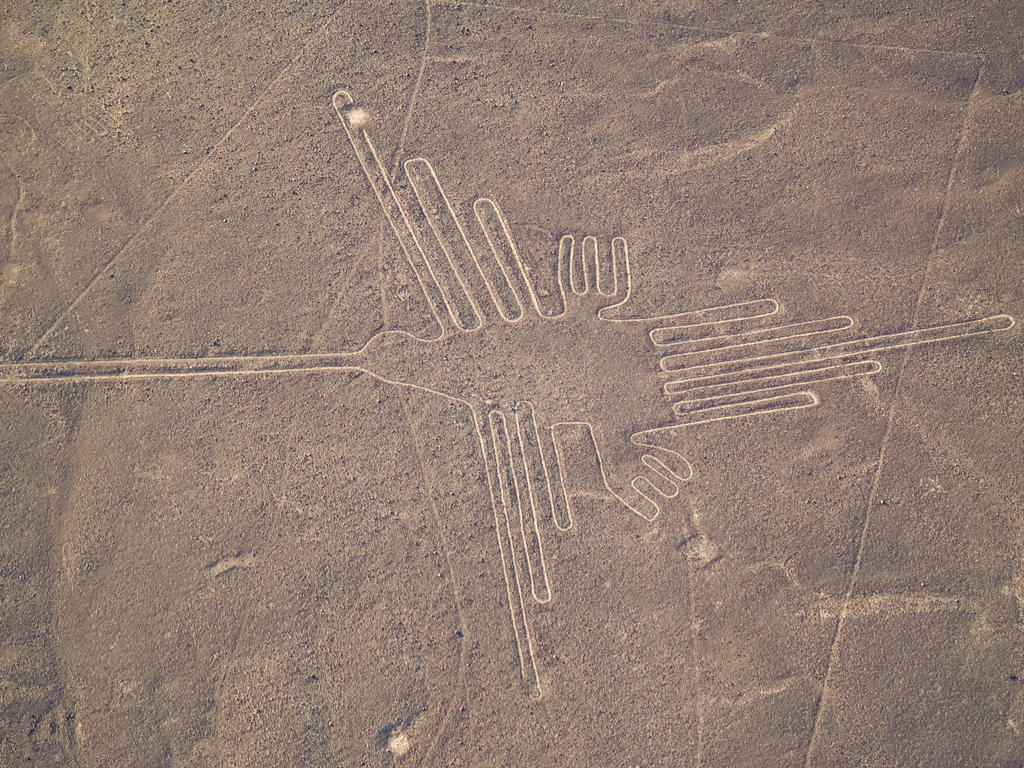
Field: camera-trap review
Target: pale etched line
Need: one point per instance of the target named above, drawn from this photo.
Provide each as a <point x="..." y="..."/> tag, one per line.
<point x="522" y="284"/>
<point x="425" y="276"/>
<point x="442" y="239"/>
<point x="507" y="480"/>
<point x="566" y="249"/>
<point x="394" y="211"/>
<point x="674" y="163"/>
<point x="416" y="441"/>
<point x="744" y="407"/>
<point x="12" y="224"/>
<point x="496" y="277"/>
<point x="791" y="372"/>
<point x="508" y="268"/>
<point x="167" y="375"/>
<point x="392" y="206"/>
<point x="633" y="505"/>
<point x="577" y="269"/>
<point x="272" y="365"/>
<point x="524" y="641"/>
<point x="317" y="337"/>
<point x="63" y="314"/>
<point x="730" y="348"/>
<point x="876" y="480"/>
<point x="500" y="509"/>
<point x="663" y="480"/>
<point x="415" y="438"/>
<point x="623" y="274"/>
<point x="604" y="272"/>
<point x="777" y="404"/>
<point x="160" y="367"/>
<point x="755" y="372"/>
<point x="661" y="484"/>
<point x="512" y="502"/>
<point x="157" y="368"/>
<point x="662" y="470"/>
<point x="718" y="31"/>
<point x="456" y="592"/>
<point x="649" y="513"/>
<point x="557" y="463"/>
<point x="708" y="317"/>
<point x="529" y="531"/>
<point x="580" y="273"/>
<point x="428" y="32"/>
<point x="843" y="349"/>
<point x="475" y="266"/>
<point x="715" y="345"/>
<point x="644" y="503"/>
<point x="698" y="701"/>
<point x="711" y="395"/>
<point x="450" y="281"/>
<point x="621" y="269"/>
<point x="525" y="423"/>
<point x="892" y="604"/>
<point x="647" y="488"/>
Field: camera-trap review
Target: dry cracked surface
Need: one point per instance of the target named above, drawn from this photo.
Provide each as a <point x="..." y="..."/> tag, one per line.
<point x="489" y="384"/>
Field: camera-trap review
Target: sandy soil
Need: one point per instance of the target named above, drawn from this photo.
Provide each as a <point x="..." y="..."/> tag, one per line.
<point x="274" y="532"/>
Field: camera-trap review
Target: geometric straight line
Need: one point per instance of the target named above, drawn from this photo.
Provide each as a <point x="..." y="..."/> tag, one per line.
<point x="945" y="332"/>
<point x="701" y="399"/>
<point x="876" y="479"/>
<point x="687" y="325"/>
<point x="716" y="31"/>
<point x="715" y="346"/>
<point x="742" y="380"/>
<point x="63" y="314"/>
<point x="755" y="407"/>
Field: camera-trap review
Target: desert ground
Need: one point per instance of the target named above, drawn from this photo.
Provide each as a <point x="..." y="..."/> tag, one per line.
<point x="547" y="383"/>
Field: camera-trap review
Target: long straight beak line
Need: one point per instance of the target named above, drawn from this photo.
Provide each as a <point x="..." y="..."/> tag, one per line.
<point x="175" y="367"/>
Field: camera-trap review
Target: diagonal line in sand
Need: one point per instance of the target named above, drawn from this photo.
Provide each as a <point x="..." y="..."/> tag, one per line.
<point x="716" y="31"/>
<point x="875" y="482"/>
<point x="176" y="192"/>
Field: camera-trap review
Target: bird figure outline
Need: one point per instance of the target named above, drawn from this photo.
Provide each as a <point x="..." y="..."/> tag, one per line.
<point x="633" y="383"/>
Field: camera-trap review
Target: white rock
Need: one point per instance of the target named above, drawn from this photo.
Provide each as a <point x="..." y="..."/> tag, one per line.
<point x="399" y="744"/>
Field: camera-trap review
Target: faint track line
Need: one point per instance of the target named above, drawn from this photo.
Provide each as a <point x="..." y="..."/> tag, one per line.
<point x="413" y="435"/>
<point x="876" y="480"/>
<point x="698" y="669"/>
<point x="317" y="338"/>
<point x="133" y="238"/>
<point x="709" y="30"/>
<point x="424" y="60"/>
<point x="12" y="240"/>
<point x="444" y="547"/>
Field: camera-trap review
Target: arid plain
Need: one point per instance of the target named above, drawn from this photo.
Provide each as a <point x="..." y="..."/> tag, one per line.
<point x="560" y="384"/>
